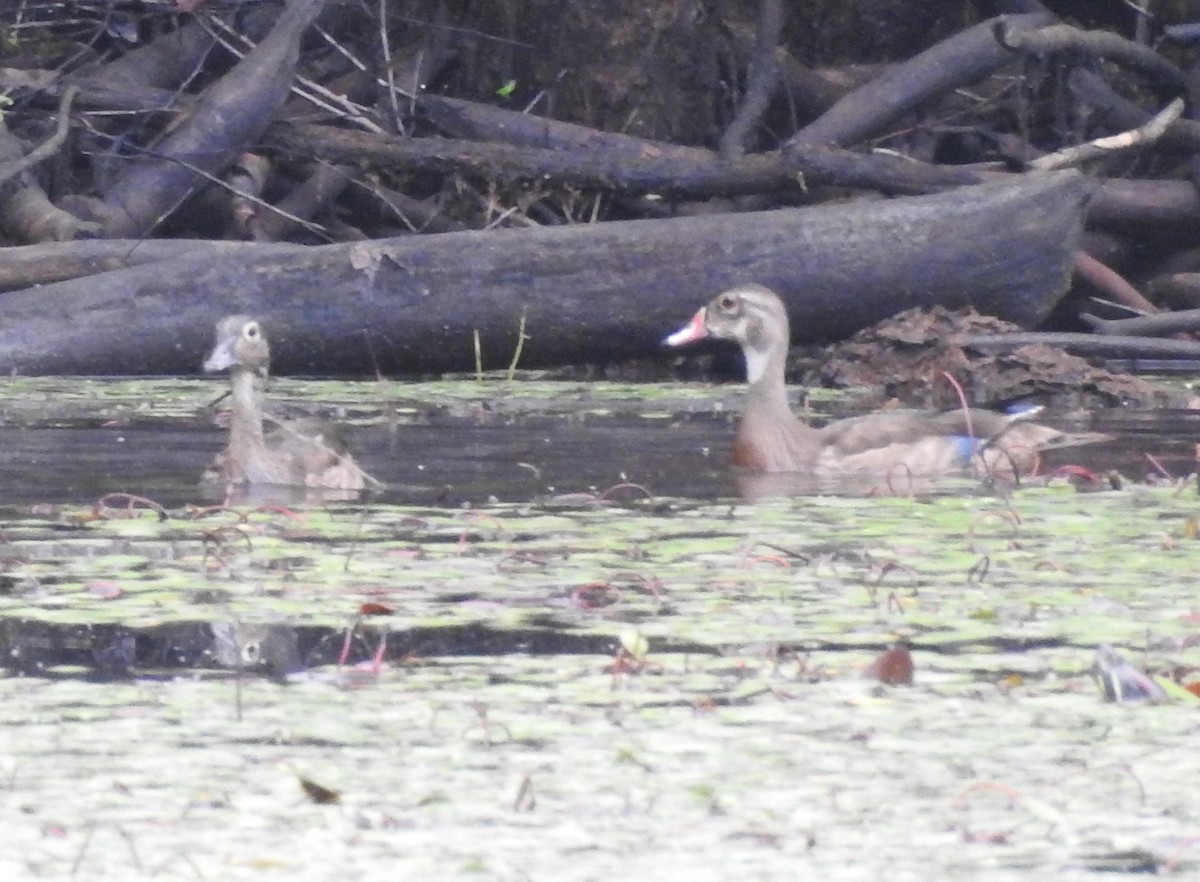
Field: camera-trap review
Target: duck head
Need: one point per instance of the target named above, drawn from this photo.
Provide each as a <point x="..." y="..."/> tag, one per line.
<point x="750" y="315"/>
<point x="240" y="344"/>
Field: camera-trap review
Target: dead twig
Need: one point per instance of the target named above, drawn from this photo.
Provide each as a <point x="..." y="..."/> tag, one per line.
<point x="1148" y="133"/>
<point x="48" y="147"/>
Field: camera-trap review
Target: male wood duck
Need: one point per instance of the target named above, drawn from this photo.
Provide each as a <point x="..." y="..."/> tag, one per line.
<point x="771" y="438"/>
<point x="305" y="453"/>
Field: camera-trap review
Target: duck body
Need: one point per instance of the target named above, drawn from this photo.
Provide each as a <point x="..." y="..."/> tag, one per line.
<point x="300" y="453"/>
<point x="770" y="438"/>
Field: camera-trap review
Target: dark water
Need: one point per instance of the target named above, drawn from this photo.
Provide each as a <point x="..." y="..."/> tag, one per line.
<point x="458" y="461"/>
<point x="450" y="463"/>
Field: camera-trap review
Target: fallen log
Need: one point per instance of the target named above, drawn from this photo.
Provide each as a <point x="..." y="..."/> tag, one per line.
<point x="29" y="265"/>
<point x="958" y="61"/>
<point x="586" y="293"/>
<point x="1123" y="346"/>
<point x="1121" y="203"/>
<point x="1183" y="321"/>
<point x="227" y="120"/>
<point x="610" y="164"/>
<point x="473" y="121"/>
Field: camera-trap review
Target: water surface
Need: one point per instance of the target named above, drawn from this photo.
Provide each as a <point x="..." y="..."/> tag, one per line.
<point x="500" y="443"/>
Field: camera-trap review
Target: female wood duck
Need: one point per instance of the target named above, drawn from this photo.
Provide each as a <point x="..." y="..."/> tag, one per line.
<point x="305" y="453"/>
<point x="771" y="438"/>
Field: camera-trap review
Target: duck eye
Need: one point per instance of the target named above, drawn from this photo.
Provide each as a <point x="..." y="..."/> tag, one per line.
<point x="727" y="302"/>
<point x="251" y="330"/>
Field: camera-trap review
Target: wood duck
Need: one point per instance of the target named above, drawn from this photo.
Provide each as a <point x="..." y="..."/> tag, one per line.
<point x="304" y="453"/>
<point x="771" y="438"/>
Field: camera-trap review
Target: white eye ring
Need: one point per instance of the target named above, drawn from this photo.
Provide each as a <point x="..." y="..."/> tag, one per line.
<point x="251" y="330"/>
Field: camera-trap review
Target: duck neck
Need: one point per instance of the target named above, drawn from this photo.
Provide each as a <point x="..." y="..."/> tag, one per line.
<point x="767" y="392"/>
<point x="246" y="422"/>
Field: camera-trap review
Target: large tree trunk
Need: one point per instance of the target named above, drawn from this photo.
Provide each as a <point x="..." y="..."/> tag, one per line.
<point x="588" y="293"/>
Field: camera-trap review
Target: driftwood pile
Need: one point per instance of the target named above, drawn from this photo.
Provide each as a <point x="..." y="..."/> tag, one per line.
<point x="304" y="162"/>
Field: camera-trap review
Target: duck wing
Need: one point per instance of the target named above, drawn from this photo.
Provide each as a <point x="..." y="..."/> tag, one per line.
<point x="317" y="454"/>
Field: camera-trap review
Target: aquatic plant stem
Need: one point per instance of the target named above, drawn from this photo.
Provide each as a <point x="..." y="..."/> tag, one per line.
<point x="521" y="338"/>
<point x="478" y="357"/>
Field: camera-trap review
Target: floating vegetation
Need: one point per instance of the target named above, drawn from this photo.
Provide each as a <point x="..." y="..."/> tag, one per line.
<point x="1048" y="566"/>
